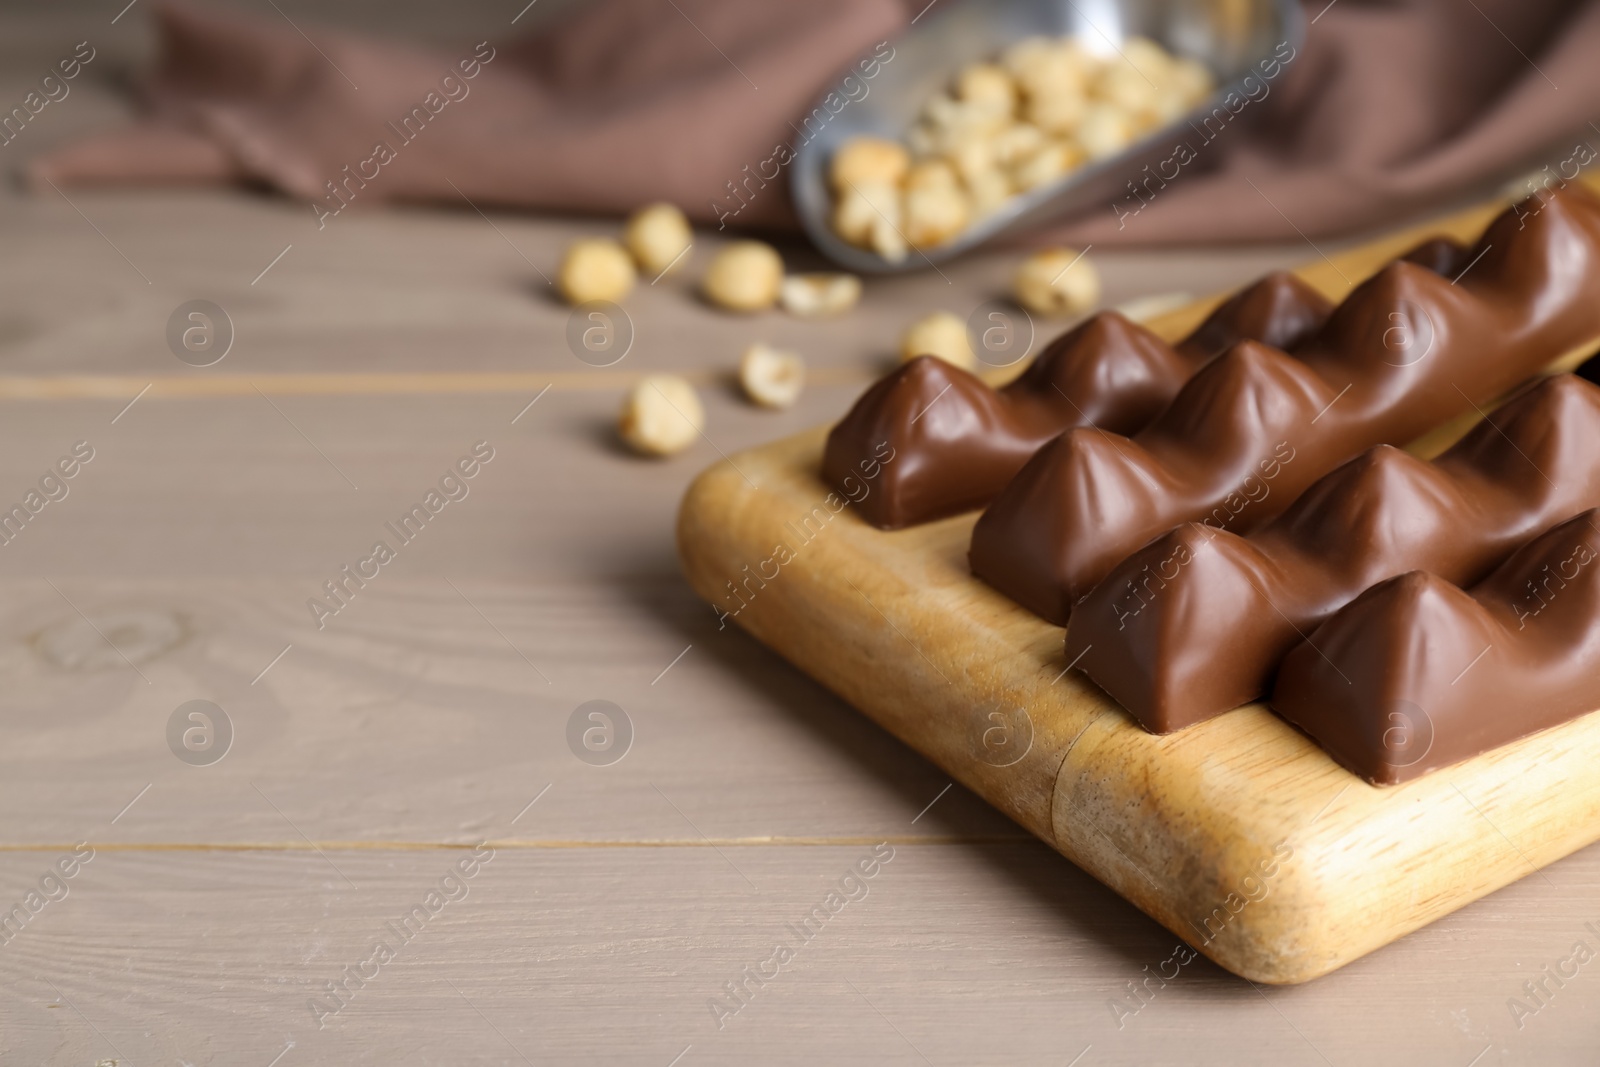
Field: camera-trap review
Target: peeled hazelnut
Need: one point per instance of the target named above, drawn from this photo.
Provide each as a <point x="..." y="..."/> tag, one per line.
<point x="934" y="214"/>
<point x="862" y="208"/>
<point x="941" y="334"/>
<point x="1151" y="59"/>
<point x="744" y="276"/>
<point x="971" y="155"/>
<point x="1058" y="112"/>
<point x="813" y="296"/>
<point x="887" y="240"/>
<point x="932" y="174"/>
<point x="1057" y="281"/>
<point x="864" y="160"/>
<point x="1049" y="163"/>
<point x="1016" y="143"/>
<point x="1128" y="88"/>
<point x="990" y="189"/>
<point x="1190" y="80"/>
<point x="661" y="416"/>
<point x="771" y="378"/>
<point x="955" y="117"/>
<point x="595" y="268"/>
<point x="1027" y="55"/>
<point x="988" y="86"/>
<point x="1104" y="131"/>
<point x="658" y="236"/>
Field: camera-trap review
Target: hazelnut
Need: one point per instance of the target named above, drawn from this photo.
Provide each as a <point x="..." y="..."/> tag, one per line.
<point x="744" y="276"/>
<point x="1028" y="54"/>
<point x="987" y="86"/>
<point x="595" y="268"/>
<point x="1104" y="131"/>
<point x="863" y="207"/>
<point x="864" y="160"/>
<point x="658" y="236"/>
<point x="935" y="213"/>
<point x="1016" y="143"/>
<point x="990" y="189"/>
<point x="813" y="296"/>
<point x="1050" y="163"/>
<point x="1058" y="112"/>
<point x="941" y="334"/>
<point x="887" y="240"/>
<point x="771" y="378"/>
<point x="932" y="174"/>
<point x="1127" y="87"/>
<point x="1190" y="80"/>
<point x="661" y="416"/>
<point x="1057" y="282"/>
<point x="1151" y="60"/>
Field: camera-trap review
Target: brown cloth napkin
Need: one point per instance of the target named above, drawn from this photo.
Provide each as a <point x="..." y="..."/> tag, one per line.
<point x="1386" y="109"/>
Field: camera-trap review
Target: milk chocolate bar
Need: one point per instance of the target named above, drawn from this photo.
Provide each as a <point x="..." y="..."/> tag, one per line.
<point x="957" y="441"/>
<point x="1408" y="350"/>
<point x="1416" y="674"/>
<point x="1197" y="621"/>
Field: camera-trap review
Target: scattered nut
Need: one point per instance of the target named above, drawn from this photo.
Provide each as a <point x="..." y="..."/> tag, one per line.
<point x="661" y="416"/>
<point x="941" y="334"/>
<point x="744" y="276"/>
<point x="595" y="268"/>
<point x="869" y="160"/>
<point x="813" y="296"/>
<point x="1145" y="308"/>
<point x="1057" y="281"/>
<point x="771" y="378"/>
<point x="658" y="236"/>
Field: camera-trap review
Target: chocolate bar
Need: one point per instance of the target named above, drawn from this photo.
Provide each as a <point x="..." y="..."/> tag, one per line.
<point x="1416" y="674"/>
<point x="957" y="441"/>
<point x="1408" y="350"/>
<point x="1197" y="621"/>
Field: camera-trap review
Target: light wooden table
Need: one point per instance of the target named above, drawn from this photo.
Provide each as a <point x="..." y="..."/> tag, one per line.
<point x="431" y="714"/>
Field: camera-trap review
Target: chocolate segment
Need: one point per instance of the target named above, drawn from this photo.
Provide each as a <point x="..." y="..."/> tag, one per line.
<point x="1255" y="427"/>
<point x="1416" y="674"/>
<point x="957" y="441"/>
<point x="1196" y="622"/>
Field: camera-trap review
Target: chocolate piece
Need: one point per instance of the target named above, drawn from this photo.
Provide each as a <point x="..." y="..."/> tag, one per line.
<point x="1255" y="427"/>
<point x="1589" y="371"/>
<point x="1440" y="255"/>
<point x="956" y="441"/>
<point x="1196" y="622"/>
<point x="1416" y="674"/>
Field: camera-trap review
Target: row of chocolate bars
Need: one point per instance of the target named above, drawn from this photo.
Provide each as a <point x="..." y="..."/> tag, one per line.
<point x="1228" y="519"/>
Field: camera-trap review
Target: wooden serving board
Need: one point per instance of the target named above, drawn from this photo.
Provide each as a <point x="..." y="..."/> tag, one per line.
<point x="1239" y="835"/>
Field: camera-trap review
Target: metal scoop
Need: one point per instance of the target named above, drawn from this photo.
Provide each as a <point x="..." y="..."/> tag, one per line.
<point x="1231" y="38"/>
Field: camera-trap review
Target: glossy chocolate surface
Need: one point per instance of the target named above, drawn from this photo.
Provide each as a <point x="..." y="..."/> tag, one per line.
<point x="1197" y="621"/>
<point x="956" y="441"/>
<point x="1417" y="674"/>
<point x="1252" y="430"/>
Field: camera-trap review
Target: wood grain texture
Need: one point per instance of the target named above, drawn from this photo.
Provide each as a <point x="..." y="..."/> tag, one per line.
<point x="1238" y="834"/>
